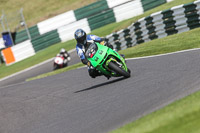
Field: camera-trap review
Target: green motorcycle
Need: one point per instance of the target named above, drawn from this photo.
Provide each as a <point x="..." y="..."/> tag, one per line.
<point x="106" y="60"/>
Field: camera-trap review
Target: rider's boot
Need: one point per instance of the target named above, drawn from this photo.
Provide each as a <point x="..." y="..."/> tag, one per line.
<point x="107" y="76"/>
<point x="94" y="73"/>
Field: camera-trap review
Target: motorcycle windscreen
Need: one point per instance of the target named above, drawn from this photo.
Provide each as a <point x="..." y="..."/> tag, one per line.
<point x="96" y="53"/>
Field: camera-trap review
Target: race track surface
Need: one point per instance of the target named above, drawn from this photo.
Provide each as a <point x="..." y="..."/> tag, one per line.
<point x="72" y="102"/>
<point x="33" y="72"/>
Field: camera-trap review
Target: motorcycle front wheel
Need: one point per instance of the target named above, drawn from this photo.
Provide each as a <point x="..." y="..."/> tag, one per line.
<point x="55" y="67"/>
<point x="113" y="66"/>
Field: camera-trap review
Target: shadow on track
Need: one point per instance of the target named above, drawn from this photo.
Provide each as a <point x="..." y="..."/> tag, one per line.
<point x="99" y="85"/>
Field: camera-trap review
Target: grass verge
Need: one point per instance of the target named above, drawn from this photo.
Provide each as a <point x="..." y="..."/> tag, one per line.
<point x="182" y="116"/>
<point x="38" y="10"/>
<point x="56" y="71"/>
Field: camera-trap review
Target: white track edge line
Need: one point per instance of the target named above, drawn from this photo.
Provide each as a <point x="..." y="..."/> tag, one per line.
<point x="145" y="57"/>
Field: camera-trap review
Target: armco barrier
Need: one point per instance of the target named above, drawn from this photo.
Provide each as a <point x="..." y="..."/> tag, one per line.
<point x="149" y="4"/>
<point x="56" y="22"/>
<point x="158" y="25"/>
<point x="67" y="32"/>
<point x="91" y="9"/>
<point x="128" y="10"/>
<point x="2" y="43"/>
<point x="114" y="3"/>
<point x="45" y="40"/>
<point x="101" y="19"/>
<point x="22" y="35"/>
<point x="23" y="51"/>
<point x="18" y="52"/>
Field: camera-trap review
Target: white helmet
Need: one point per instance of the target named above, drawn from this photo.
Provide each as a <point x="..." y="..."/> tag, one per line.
<point x="62" y="50"/>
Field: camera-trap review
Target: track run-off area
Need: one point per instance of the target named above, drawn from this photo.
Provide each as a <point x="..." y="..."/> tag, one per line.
<point x="72" y="102"/>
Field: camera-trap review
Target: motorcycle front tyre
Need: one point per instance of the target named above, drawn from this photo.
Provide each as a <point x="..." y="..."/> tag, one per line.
<point x="118" y="70"/>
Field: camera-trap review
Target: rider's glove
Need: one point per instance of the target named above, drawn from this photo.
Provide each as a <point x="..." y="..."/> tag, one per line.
<point x="106" y="44"/>
<point x="68" y="58"/>
<point x="102" y="42"/>
<point x="89" y="64"/>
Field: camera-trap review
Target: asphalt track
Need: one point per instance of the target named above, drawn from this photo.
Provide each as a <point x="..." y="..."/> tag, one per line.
<point x="44" y="67"/>
<point x="72" y="102"/>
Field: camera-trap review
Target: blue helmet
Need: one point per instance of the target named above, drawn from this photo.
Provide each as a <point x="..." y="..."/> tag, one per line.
<point x="80" y="36"/>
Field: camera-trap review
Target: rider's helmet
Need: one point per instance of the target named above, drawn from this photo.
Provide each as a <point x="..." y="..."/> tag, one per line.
<point x="62" y="51"/>
<point x="80" y="36"/>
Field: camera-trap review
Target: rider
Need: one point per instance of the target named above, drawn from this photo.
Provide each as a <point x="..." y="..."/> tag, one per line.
<point x="83" y="41"/>
<point x="64" y="54"/>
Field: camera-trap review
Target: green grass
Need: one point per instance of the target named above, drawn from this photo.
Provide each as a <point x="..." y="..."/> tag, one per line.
<point x="182" y="116"/>
<point x="38" y="10"/>
<point x="51" y="51"/>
